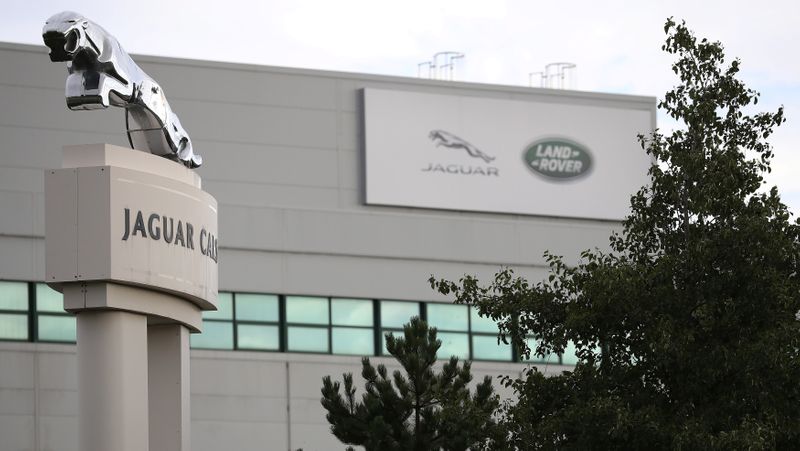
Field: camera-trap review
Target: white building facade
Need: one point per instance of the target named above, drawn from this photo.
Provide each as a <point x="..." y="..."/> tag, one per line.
<point x="339" y="196"/>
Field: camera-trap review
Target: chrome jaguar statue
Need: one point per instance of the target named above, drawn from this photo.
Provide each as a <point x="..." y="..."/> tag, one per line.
<point x="101" y="73"/>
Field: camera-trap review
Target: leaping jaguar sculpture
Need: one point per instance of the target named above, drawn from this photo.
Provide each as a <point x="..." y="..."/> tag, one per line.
<point x="101" y="73"/>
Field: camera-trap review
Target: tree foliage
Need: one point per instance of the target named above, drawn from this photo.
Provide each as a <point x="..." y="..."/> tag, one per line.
<point x="686" y="329"/>
<point x="420" y="410"/>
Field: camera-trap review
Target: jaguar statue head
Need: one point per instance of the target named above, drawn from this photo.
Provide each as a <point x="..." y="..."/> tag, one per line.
<point x="65" y="35"/>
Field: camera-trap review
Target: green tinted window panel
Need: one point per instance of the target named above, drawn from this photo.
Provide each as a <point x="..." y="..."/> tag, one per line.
<point x="13" y="295"/>
<point x="13" y="326"/>
<point x="351" y="312"/>
<point x="569" y="357"/>
<point x="448" y="316"/>
<point x="216" y="335"/>
<point x="480" y="323"/>
<point x="224" y="309"/>
<point x="48" y="299"/>
<point x="56" y="328"/>
<point x="453" y="344"/>
<point x="486" y="347"/>
<point x="353" y="341"/>
<point x="256" y="336"/>
<point x="306" y="310"/>
<point x="257" y="307"/>
<point x="307" y="339"/>
<point x="397" y="313"/>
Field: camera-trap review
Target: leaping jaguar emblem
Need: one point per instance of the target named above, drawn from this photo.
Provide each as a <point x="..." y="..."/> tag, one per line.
<point x="447" y="139"/>
<point x="101" y="73"/>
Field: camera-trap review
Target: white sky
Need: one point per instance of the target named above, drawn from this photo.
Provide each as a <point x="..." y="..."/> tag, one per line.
<point x="616" y="44"/>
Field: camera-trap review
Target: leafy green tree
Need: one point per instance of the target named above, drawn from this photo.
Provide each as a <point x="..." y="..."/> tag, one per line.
<point x="419" y="410"/>
<point x="686" y="329"/>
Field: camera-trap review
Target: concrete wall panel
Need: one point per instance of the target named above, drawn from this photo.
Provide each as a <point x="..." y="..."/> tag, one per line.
<point x="27" y="262"/>
<point x="58" y="371"/>
<point x="255" y="124"/>
<point x="58" y="403"/>
<point x="249" y="228"/>
<point x="46" y="108"/>
<point x="17" y="402"/>
<point x="239" y="436"/>
<point x="350" y="170"/>
<point x="17" y="432"/>
<point x="351" y="130"/>
<point x="58" y="433"/>
<point x="21" y="179"/>
<point x="21" y="210"/>
<point x="252" y="85"/>
<point x="265" y="195"/>
<point x="314" y="436"/>
<point x="35" y="148"/>
<point x="239" y="408"/>
<point x="266" y="164"/>
<point x="238" y="377"/>
<point x="32" y="67"/>
<point x="346" y="276"/>
<point x="247" y="271"/>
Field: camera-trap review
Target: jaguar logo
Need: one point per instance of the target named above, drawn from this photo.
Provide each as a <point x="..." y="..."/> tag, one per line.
<point x="446" y="139"/>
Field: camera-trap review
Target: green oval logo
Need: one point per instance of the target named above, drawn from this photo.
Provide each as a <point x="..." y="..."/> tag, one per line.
<point x="558" y="158"/>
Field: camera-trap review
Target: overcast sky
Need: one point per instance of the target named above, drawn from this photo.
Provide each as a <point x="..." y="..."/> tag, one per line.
<point x="615" y="44"/>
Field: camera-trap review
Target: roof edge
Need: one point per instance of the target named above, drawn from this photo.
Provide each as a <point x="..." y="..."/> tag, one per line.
<point x="647" y="102"/>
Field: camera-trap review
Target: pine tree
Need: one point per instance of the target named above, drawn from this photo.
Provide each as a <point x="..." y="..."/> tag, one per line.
<point x="416" y="409"/>
<point x="686" y="330"/>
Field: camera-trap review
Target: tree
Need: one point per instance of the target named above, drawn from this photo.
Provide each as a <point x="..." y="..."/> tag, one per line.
<point x="421" y="410"/>
<point x="686" y="329"/>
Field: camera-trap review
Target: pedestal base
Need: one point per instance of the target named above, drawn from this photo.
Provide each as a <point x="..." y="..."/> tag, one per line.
<point x="168" y="376"/>
<point x="112" y="381"/>
<point x="133" y="368"/>
<point x="130" y="240"/>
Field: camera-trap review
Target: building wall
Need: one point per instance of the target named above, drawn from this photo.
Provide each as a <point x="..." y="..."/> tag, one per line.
<point x="240" y="400"/>
<point x="283" y="155"/>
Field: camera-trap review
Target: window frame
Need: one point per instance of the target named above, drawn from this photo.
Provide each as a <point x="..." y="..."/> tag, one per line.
<point x="377" y="328"/>
<point x="38" y="314"/>
<point x="26" y="313"/>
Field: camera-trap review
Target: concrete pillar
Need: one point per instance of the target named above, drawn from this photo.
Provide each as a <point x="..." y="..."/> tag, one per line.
<point x="119" y="276"/>
<point x="112" y="381"/>
<point x="168" y="376"/>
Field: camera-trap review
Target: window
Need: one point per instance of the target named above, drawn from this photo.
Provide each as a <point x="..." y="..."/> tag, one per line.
<point x="395" y="314"/>
<point x="485" y="344"/>
<point x="452" y="322"/>
<point x="217" y="326"/>
<point x="257" y="321"/>
<point x="52" y="322"/>
<point x="32" y="311"/>
<point x="307" y="320"/>
<point x="14" y="308"/>
<point x="569" y="357"/>
<point x="352" y="329"/>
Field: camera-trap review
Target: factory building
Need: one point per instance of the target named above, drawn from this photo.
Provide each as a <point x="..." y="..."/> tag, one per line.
<point x="339" y="196"/>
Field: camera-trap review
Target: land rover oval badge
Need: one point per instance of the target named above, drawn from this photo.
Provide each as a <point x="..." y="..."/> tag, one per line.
<point x="558" y="158"/>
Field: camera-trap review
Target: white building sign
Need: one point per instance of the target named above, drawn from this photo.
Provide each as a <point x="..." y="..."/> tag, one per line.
<point x="504" y="156"/>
